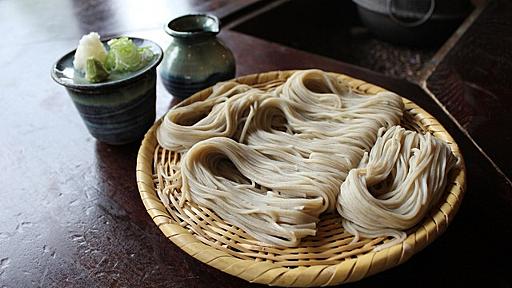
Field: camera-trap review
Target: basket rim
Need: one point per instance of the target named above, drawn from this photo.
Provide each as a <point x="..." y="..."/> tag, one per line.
<point x="349" y="270"/>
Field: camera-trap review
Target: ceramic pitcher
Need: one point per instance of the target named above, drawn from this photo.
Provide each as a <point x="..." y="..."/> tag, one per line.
<point x="195" y="58"/>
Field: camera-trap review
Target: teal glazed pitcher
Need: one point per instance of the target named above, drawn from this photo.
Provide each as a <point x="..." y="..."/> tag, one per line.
<point x="195" y="59"/>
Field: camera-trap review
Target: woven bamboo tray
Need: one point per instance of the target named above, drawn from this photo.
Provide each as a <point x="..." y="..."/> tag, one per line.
<point x="329" y="258"/>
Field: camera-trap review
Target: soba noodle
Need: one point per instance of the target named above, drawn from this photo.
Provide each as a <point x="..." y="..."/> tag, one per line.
<point x="271" y="160"/>
<point x="395" y="185"/>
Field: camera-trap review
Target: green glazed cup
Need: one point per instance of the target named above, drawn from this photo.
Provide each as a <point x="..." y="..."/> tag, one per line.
<point x="195" y="59"/>
<point x="117" y="111"/>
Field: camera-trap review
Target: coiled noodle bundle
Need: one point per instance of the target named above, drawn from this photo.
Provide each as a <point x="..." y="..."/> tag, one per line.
<point x="395" y="184"/>
<point x="271" y="160"/>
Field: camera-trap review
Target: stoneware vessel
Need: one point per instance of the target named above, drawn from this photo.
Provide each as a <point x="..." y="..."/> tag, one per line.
<point x="119" y="110"/>
<point x="195" y="58"/>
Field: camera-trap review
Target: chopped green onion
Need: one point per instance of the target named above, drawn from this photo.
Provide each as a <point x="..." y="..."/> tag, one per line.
<point x="125" y="56"/>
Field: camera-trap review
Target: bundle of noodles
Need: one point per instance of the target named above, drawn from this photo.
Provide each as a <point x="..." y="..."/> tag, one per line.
<point x="282" y="154"/>
<point x="183" y="126"/>
<point x="394" y="186"/>
<point x="253" y="191"/>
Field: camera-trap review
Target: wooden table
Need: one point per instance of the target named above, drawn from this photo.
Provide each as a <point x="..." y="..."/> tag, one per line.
<point x="70" y="211"/>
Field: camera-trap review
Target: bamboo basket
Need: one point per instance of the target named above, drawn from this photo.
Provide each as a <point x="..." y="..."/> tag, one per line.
<point x="329" y="258"/>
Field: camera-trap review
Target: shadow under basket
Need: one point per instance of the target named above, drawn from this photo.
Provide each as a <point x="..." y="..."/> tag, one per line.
<point x="329" y="258"/>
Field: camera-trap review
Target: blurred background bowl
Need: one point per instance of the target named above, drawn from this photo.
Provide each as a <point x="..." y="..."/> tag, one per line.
<point x="413" y="22"/>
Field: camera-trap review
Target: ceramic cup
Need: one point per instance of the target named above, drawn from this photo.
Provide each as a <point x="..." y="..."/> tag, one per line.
<point x="195" y="59"/>
<point x="117" y="111"/>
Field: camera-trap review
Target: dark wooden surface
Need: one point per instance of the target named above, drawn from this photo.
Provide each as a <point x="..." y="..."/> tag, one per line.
<point x="474" y="82"/>
<point x="70" y="212"/>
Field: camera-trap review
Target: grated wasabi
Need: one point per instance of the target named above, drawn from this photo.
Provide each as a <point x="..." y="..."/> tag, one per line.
<point x="123" y="56"/>
<point x="95" y="71"/>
